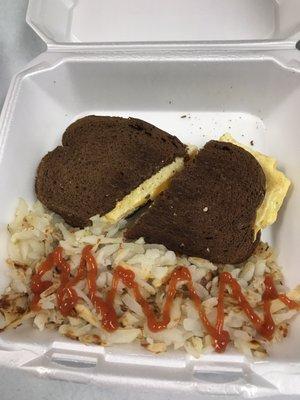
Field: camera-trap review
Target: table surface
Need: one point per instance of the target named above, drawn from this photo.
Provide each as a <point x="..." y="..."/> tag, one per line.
<point x="18" y="45"/>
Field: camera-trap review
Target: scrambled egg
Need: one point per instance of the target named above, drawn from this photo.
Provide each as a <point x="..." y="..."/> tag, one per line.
<point x="277" y="185"/>
<point x="149" y="189"/>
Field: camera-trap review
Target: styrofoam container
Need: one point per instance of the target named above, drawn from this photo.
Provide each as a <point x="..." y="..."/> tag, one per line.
<point x="249" y="87"/>
<point x="86" y="21"/>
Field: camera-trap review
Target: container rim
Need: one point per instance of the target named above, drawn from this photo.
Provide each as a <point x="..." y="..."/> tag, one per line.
<point x="220" y="45"/>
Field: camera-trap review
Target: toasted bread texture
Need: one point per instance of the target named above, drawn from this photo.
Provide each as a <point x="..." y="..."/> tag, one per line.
<point x="209" y="210"/>
<point x="102" y="160"/>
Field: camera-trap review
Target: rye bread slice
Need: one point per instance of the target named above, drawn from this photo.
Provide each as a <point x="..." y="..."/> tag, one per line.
<point x="210" y="207"/>
<point x="102" y="160"/>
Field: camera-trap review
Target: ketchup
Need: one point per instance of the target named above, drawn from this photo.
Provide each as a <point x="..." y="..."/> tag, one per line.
<point x="38" y="286"/>
<point x="66" y="294"/>
<point x="67" y="297"/>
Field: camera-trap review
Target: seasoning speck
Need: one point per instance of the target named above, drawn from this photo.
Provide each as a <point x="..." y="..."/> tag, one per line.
<point x="205" y="209"/>
<point x="183" y="116"/>
<point x="252" y="143"/>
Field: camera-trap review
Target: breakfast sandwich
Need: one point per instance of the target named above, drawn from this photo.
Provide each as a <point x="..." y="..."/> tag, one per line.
<point x="108" y="166"/>
<point x="216" y="207"/>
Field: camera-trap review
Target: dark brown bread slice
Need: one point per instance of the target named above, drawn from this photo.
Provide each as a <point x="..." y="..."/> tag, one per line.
<point x="103" y="130"/>
<point x="103" y="159"/>
<point x="210" y="207"/>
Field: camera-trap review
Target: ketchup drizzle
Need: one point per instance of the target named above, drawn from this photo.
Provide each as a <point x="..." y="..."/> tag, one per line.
<point x="67" y="297"/>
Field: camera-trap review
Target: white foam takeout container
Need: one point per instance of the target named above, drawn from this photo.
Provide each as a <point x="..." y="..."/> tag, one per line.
<point x="159" y="60"/>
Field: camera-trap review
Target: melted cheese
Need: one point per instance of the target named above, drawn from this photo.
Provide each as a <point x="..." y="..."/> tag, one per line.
<point x="277" y="185"/>
<point x="148" y="190"/>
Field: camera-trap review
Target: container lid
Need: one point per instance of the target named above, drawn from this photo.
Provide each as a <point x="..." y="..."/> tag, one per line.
<point x="134" y="21"/>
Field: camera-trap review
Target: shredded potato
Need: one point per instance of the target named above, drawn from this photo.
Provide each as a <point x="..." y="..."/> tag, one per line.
<point x="35" y="232"/>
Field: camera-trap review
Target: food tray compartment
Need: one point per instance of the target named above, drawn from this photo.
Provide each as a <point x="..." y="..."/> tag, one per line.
<point x="102" y="21"/>
<point x="253" y="97"/>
